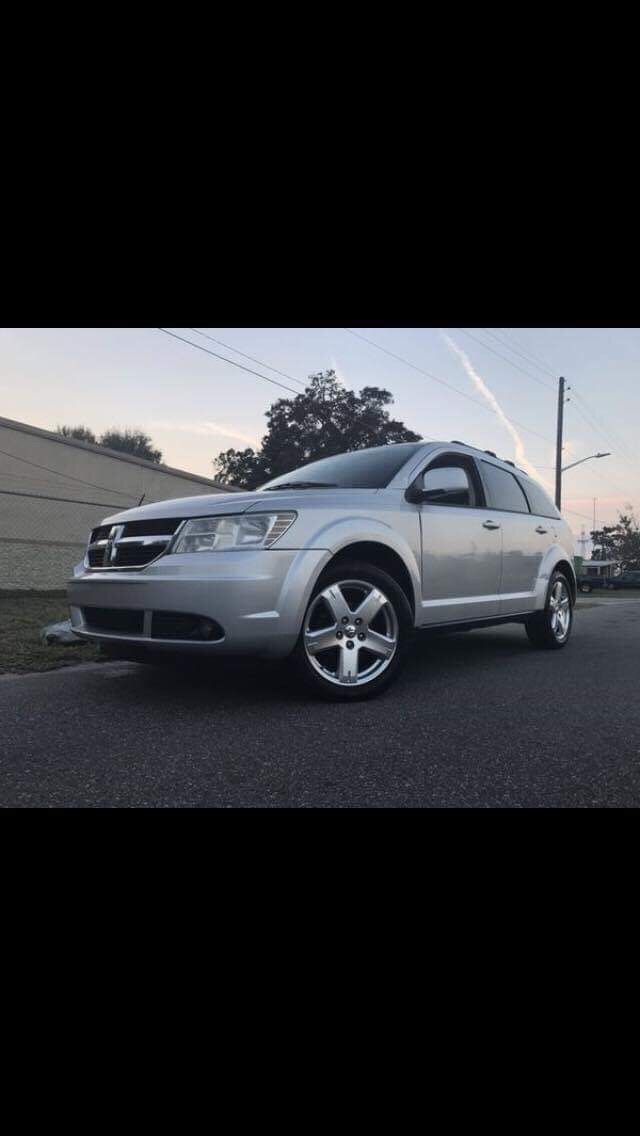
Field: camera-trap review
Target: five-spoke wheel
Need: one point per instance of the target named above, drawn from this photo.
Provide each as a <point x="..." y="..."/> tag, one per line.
<point x="551" y="628"/>
<point x="355" y="629"/>
<point x="560" y="608"/>
<point x="351" y="632"/>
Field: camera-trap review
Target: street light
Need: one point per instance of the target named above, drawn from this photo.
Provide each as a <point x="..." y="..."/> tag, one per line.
<point x="590" y="458"/>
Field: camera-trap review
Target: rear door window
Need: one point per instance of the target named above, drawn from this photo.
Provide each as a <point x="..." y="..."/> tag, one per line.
<point x="505" y="493"/>
<point x="540" y="503"/>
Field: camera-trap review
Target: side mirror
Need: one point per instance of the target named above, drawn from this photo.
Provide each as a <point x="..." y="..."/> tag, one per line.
<point x="441" y="486"/>
<point x="417" y="495"/>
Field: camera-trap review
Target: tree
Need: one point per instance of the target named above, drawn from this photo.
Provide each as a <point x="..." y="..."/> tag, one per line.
<point x="81" y="433"/>
<point x="322" y="421"/>
<point x="131" y="442"/>
<point x="619" y="542"/>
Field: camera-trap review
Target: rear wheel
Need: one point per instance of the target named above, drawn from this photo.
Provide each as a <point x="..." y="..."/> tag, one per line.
<point x="355" y="634"/>
<point x="550" y="629"/>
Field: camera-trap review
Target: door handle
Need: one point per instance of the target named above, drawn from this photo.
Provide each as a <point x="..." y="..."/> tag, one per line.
<point x="541" y="530"/>
<point x="491" y="525"/>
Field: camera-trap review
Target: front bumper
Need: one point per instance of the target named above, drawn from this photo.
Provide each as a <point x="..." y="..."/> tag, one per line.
<point x="257" y="598"/>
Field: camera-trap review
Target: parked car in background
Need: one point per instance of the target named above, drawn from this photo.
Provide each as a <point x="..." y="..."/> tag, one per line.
<point x="626" y="580"/>
<point x="597" y="574"/>
<point x="588" y="584"/>
<point x="335" y="565"/>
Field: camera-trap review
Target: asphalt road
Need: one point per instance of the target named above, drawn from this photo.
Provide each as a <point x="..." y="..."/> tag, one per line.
<point x="477" y="720"/>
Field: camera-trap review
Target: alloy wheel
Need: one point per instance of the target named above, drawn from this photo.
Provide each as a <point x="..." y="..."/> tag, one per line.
<point x="351" y="633"/>
<point x="560" y="609"/>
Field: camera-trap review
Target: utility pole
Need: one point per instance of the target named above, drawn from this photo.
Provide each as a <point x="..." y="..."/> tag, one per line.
<point x="561" y="392"/>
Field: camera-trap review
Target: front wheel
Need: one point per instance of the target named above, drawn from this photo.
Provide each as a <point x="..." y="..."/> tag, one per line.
<point x="355" y="634"/>
<point x="550" y="629"/>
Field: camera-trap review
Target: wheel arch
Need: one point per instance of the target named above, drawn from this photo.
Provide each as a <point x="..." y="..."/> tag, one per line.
<point x="568" y="570"/>
<point x="379" y="554"/>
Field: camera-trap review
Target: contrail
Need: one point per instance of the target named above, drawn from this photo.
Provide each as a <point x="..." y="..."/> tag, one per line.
<point x="521" y="456"/>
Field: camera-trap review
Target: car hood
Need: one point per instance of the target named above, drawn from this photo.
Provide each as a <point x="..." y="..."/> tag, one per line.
<point x="219" y="504"/>
<point x="206" y="506"/>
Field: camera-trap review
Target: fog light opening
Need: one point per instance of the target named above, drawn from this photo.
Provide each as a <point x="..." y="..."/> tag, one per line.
<point x="208" y="630"/>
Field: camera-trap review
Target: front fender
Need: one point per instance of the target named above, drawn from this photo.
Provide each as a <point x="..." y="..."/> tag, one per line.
<point x="339" y="535"/>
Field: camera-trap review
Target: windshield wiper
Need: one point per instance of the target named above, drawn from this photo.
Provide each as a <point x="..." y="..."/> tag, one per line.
<point x="301" y="485"/>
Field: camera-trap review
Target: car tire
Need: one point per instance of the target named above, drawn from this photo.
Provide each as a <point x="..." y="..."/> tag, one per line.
<point x="344" y="656"/>
<point x="550" y="629"/>
<point x="586" y="589"/>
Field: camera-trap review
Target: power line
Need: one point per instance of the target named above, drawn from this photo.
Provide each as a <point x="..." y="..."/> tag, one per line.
<point x="573" y="513"/>
<point x="612" y="437"/>
<point x="65" y="476"/>
<point x="510" y="362"/>
<point x="224" y="359"/>
<point x="515" y="351"/>
<point x="442" y="382"/>
<point x="585" y="411"/>
<point x="597" y="429"/>
<point x="533" y="357"/>
<point x="595" y="473"/>
<point x="283" y="374"/>
<point x="612" y="484"/>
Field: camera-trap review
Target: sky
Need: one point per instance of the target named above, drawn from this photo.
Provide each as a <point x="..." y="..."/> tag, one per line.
<point x="194" y="405"/>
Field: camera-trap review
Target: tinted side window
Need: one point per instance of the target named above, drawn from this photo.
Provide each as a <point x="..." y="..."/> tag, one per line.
<point x="504" y="491"/>
<point x="541" y="505"/>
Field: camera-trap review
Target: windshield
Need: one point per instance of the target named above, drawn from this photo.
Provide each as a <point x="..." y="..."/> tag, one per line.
<point x="362" y="469"/>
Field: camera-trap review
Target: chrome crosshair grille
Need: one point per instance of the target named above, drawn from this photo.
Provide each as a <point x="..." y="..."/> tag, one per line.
<point x="134" y="545"/>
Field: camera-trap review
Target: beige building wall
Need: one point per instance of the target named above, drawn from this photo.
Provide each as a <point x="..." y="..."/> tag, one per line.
<point x="53" y="491"/>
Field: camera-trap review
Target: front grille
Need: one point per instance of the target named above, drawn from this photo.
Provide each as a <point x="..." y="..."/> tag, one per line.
<point x="95" y="557"/>
<point x="151" y="528"/>
<point x="132" y="545"/>
<point x="139" y="528"/>
<point x="114" y="619"/>
<point x="136" y="555"/>
<point x="100" y="534"/>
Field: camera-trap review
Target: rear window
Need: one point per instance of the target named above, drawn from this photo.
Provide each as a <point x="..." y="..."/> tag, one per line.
<point x="504" y="491"/>
<point x="362" y="469"/>
<point x="541" y="504"/>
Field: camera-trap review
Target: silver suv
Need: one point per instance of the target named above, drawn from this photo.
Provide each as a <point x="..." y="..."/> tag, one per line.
<point x="335" y="565"/>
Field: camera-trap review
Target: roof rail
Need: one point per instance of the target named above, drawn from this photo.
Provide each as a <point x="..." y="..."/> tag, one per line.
<point x="456" y="442"/>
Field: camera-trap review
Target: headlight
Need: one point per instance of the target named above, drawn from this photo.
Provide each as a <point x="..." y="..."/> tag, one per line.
<point x="217" y="534"/>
